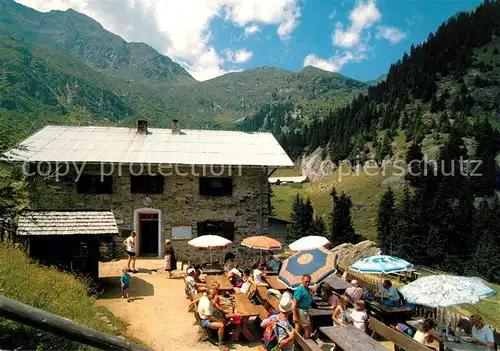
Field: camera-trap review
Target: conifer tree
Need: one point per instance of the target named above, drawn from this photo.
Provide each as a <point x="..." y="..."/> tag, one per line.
<point x="342" y="230"/>
<point x="318" y="227"/>
<point x="385" y="216"/>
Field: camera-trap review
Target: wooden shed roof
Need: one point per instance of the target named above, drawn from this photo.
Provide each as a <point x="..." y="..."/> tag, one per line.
<point x="67" y="223"/>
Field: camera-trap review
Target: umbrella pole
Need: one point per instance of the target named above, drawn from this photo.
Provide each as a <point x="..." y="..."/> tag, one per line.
<point x="210" y="253"/>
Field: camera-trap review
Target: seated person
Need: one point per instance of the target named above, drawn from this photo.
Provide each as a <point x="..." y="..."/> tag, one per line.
<point x="426" y="334"/>
<point x="272" y="263"/>
<point x="228" y="261"/>
<point x="235" y="276"/>
<point x="258" y="275"/>
<point x="388" y="292"/>
<point x="194" y="283"/>
<point x="354" y="292"/>
<point x="359" y="317"/>
<point x="340" y="313"/>
<point x="327" y="295"/>
<point x="211" y="317"/>
<point x="216" y="300"/>
<point x="247" y="283"/>
<point x="481" y="333"/>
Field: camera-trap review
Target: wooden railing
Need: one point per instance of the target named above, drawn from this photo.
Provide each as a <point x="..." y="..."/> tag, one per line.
<point x="63" y="327"/>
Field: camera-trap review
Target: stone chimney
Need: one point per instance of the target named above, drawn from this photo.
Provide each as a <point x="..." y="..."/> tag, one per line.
<point x="175" y="127"/>
<point x="142" y="127"/>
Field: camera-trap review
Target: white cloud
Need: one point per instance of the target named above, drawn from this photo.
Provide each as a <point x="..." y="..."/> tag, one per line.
<point x="362" y="17"/>
<point x="181" y="28"/>
<point x="394" y="35"/>
<point x="252" y="29"/>
<point x="335" y="63"/>
<point x="242" y="56"/>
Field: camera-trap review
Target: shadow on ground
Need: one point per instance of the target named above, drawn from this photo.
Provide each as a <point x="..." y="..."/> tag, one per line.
<point x="138" y="288"/>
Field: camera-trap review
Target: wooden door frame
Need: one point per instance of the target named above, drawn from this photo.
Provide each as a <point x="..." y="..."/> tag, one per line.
<point x="137" y="227"/>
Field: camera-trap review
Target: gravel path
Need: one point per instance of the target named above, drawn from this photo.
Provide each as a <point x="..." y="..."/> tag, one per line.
<point x="158" y="313"/>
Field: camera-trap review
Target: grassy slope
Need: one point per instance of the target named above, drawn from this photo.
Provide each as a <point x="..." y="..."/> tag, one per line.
<point x="363" y="189"/>
<point x="50" y="290"/>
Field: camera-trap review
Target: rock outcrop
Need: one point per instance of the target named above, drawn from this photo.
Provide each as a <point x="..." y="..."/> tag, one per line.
<point x="349" y="253"/>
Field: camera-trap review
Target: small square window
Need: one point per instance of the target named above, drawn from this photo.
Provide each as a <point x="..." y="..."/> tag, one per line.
<point x="146" y="184"/>
<point x="94" y="184"/>
<point x="221" y="228"/>
<point x="216" y="186"/>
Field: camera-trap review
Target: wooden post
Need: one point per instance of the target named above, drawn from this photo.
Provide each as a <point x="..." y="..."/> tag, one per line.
<point x="66" y="328"/>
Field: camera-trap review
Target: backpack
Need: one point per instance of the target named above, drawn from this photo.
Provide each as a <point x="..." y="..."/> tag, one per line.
<point x="270" y="337"/>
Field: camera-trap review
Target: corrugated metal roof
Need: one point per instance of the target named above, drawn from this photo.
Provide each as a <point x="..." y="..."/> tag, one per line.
<point x="298" y="179"/>
<point x="159" y="146"/>
<point x="67" y="223"/>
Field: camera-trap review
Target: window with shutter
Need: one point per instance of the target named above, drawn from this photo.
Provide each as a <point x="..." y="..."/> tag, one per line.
<point x="216" y="186"/>
<point x="146" y="184"/>
<point x="94" y="184"/>
<point x="221" y="228"/>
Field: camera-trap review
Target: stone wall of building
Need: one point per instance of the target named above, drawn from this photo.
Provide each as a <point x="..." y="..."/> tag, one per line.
<point x="180" y="203"/>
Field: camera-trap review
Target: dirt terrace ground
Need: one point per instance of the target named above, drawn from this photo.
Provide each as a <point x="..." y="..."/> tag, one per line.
<point x="158" y="313"/>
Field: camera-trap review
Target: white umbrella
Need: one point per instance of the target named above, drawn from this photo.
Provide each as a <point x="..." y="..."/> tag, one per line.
<point x="309" y="243"/>
<point x="209" y="242"/>
<point x="446" y="290"/>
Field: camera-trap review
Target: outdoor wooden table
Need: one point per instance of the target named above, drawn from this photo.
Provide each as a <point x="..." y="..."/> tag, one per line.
<point x="387" y="312"/>
<point x="225" y="285"/>
<point x="212" y="271"/>
<point x="336" y="282"/>
<point x="275" y="283"/>
<point x="351" y="339"/>
<point x="464" y="346"/>
<point x="246" y="309"/>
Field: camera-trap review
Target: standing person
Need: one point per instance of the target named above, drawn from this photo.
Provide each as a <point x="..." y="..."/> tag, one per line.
<point x="339" y="314"/>
<point x="170" y="261"/>
<point x="208" y="313"/>
<point x="282" y="326"/>
<point x="354" y="292"/>
<point x="272" y="263"/>
<point x="130" y="245"/>
<point x="301" y="305"/>
<point x="125" y="283"/>
<point x="481" y="333"/>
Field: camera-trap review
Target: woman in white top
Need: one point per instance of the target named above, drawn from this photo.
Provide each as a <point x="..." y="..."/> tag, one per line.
<point x="425" y="334"/>
<point x="359" y="316"/>
<point x="339" y="313"/>
<point x="130" y="246"/>
<point x="258" y="275"/>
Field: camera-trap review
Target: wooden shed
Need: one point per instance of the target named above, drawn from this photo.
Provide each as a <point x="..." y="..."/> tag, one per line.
<point x="67" y="239"/>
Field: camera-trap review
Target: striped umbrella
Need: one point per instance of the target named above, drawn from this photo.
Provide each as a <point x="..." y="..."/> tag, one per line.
<point x="261" y="243"/>
<point x="381" y="265"/>
<point x="209" y="242"/>
<point x="318" y="263"/>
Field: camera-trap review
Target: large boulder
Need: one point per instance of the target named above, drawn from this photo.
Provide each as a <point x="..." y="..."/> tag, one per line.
<point x="349" y="253"/>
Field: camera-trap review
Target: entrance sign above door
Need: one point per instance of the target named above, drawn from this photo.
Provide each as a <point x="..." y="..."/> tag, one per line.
<point x="181" y="232"/>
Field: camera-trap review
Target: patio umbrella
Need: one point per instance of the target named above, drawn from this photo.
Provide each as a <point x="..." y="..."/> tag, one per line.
<point x="261" y="243"/>
<point x="318" y="263"/>
<point x="309" y="243"/>
<point x="381" y="265"/>
<point x="446" y="290"/>
<point x="209" y="242"/>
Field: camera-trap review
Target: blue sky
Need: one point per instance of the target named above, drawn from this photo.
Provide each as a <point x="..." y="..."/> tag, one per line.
<point x="357" y="38"/>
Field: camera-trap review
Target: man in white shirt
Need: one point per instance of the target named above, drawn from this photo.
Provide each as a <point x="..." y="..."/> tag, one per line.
<point x="481" y="333"/>
<point x="206" y="310"/>
<point x="130" y="247"/>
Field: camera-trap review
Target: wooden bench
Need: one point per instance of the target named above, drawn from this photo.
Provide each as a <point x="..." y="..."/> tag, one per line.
<point x="400" y="340"/>
<point x="263" y="313"/>
<point x="306" y="345"/>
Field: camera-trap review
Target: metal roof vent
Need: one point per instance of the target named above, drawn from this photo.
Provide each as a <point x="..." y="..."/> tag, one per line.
<point x="175" y="127"/>
<point x="142" y="127"/>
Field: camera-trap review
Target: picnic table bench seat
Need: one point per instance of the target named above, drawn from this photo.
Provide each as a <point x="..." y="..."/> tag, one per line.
<point x="400" y="340"/>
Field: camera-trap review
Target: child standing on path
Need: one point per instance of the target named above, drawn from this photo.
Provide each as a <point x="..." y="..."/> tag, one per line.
<point x="125" y="283"/>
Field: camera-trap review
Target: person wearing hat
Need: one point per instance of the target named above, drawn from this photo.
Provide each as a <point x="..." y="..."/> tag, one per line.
<point x="284" y="328"/>
<point x="170" y="261"/>
<point x="130" y="247"/>
<point x="194" y="283"/>
<point x="354" y="292"/>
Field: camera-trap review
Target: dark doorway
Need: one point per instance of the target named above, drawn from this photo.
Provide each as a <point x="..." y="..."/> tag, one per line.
<point x="148" y="234"/>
